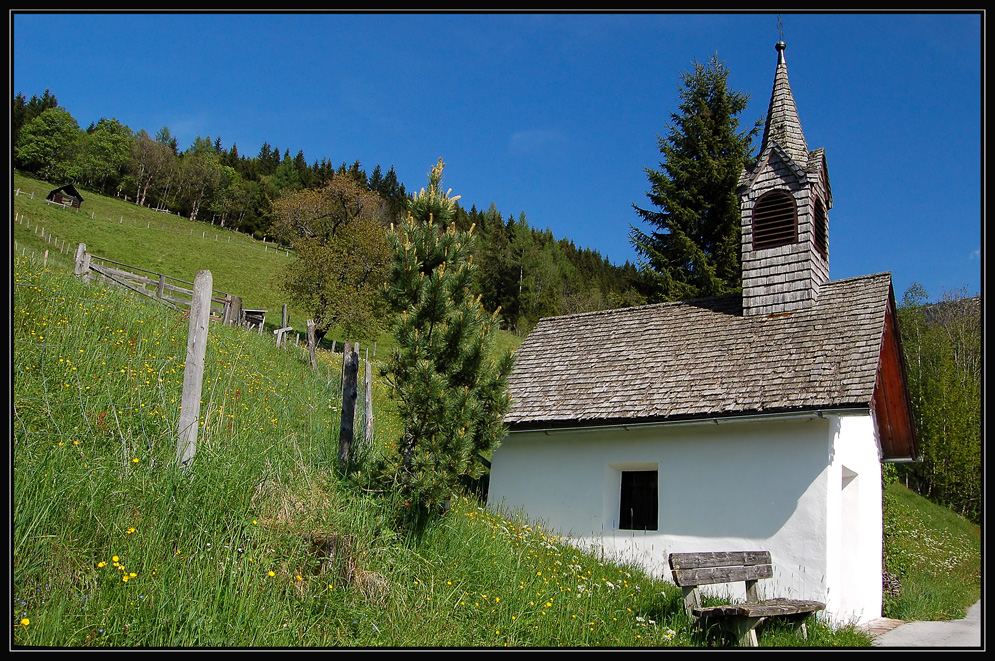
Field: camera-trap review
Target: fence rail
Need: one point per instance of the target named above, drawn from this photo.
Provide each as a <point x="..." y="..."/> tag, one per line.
<point x="159" y="286"/>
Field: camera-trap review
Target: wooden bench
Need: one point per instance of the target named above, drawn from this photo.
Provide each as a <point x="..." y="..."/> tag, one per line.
<point x="691" y="570"/>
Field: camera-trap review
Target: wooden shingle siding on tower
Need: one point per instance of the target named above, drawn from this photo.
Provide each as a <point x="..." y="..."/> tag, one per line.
<point x="787" y="277"/>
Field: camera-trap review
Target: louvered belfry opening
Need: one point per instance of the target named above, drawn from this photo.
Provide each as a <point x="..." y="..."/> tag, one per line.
<point x="775" y="220"/>
<point x="821" y="230"/>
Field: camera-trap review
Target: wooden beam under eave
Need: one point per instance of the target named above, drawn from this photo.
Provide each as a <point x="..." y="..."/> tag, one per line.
<point x="891" y="402"/>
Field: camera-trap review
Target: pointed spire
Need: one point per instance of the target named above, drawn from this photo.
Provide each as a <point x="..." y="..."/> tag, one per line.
<point x="783" y="126"/>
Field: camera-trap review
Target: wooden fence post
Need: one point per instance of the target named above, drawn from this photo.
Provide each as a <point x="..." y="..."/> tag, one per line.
<point x="281" y="336"/>
<point x="80" y="259"/>
<point x="345" y="353"/>
<point x="311" y="341"/>
<point x="349" y="396"/>
<point x="368" y="400"/>
<point x="233" y="310"/>
<point x="193" y="371"/>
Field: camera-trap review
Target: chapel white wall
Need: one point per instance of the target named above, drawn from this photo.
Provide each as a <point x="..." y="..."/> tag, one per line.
<point x="854" y="516"/>
<point x="742" y="485"/>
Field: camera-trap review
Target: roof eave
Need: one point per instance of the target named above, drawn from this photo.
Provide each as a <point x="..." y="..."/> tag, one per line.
<point x="568" y="425"/>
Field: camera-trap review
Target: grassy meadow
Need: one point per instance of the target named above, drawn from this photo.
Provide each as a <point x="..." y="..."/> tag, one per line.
<point x="935" y="553"/>
<point x="261" y="543"/>
<point x="160" y="242"/>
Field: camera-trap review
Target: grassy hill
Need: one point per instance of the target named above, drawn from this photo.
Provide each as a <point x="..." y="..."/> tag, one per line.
<point x="163" y="243"/>
<point x="160" y="242"/>
<point x="936" y="555"/>
<point x="261" y="543"/>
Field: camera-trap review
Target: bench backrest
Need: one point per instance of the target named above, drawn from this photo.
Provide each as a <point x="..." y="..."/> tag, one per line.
<point x="693" y="569"/>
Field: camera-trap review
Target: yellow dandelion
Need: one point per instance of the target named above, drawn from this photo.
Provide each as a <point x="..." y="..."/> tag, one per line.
<point x="117" y="559"/>
<point x="25" y="622"/>
<point x="272" y="573"/>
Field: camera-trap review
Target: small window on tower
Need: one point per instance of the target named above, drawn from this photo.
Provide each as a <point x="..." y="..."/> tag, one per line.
<point x="638" y="501"/>
<point x="821" y="230"/>
<point x="775" y="220"/>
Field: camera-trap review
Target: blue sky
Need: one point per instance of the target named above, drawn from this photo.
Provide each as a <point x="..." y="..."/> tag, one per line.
<point x="557" y="115"/>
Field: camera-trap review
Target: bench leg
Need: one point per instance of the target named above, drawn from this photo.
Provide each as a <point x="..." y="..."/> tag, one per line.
<point x="797" y="622"/>
<point x="745" y="630"/>
<point x="740" y="627"/>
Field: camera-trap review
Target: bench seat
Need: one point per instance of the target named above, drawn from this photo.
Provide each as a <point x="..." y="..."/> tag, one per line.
<point x="691" y="570"/>
<point x="768" y="608"/>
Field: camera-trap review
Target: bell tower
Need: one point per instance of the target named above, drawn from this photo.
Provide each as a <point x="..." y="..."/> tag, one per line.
<point x="785" y="200"/>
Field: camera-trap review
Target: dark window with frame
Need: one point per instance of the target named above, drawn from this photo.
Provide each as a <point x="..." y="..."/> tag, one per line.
<point x="775" y="220"/>
<point x="638" y="501"/>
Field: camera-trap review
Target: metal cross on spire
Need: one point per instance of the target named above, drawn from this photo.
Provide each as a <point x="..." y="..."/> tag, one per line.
<point x="780" y="28"/>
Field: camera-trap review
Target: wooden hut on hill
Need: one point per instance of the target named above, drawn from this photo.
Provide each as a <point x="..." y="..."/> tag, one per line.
<point x="67" y="196"/>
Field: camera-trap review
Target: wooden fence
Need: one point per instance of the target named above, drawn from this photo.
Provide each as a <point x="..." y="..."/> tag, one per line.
<point x="166" y="289"/>
<point x="203" y="303"/>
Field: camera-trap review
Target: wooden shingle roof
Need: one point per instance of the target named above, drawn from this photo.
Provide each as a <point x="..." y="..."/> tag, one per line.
<point x="701" y="359"/>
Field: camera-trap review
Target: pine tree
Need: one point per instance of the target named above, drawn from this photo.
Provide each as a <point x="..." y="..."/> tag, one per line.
<point x="694" y="248"/>
<point x="449" y="387"/>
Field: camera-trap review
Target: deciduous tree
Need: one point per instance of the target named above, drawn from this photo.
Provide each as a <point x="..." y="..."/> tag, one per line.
<point x="942" y="344"/>
<point x="23" y="111"/>
<point x="49" y="145"/>
<point x="104" y="155"/>
<point x="149" y="163"/>
<point x="338" y="233"/>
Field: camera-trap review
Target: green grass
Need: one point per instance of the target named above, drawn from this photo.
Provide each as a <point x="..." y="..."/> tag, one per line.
<point x="114" y="546"/>
<point x="164" y="243"/>
<point x="936" y="555"/>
